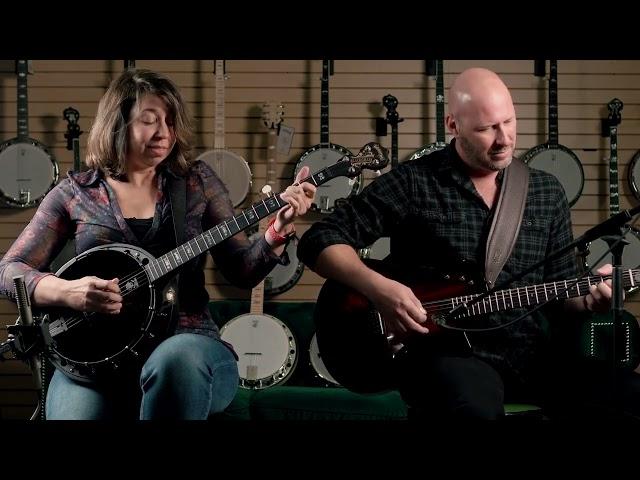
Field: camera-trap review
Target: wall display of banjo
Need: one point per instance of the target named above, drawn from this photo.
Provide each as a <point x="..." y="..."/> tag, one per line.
<point x="552" y="157"/>
<point x="282" y="277"/>
<point x="326" y="153"/>
<point x="440" y="142"/>
<point x="598" y="329"/>
<point x="29" y="169"/>
<point x="85" y="346"/>
<point x="232" y="169"/>
<point x="382" y="247"/>
<point x="631" y="252"/>
<point x="266" y="347"/>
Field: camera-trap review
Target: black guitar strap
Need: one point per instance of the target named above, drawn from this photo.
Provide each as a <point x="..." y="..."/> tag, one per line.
<point x="178" y="204"/>
<point x="507" y="219"/>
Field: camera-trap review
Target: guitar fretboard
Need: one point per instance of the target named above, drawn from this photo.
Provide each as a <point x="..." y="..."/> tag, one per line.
<point x="525" y="296"/>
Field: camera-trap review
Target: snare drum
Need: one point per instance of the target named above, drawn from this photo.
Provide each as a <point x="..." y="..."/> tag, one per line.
<point x="630" y="255"/>
<point x="266" y="349"/>
<point x="318" y="365"/>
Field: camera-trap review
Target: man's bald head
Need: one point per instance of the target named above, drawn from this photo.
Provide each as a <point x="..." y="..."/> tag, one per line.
<point x="476" y="89"/>
<point x="482" y="118"/>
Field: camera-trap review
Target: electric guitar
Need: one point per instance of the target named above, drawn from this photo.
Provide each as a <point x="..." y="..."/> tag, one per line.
<point x="352" y="336"/>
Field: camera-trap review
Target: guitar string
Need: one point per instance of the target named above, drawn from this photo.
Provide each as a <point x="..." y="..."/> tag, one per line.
<point x="543" y="289"/>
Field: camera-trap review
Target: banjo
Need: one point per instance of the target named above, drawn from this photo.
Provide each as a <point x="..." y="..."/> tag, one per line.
<point x="552" y="157"/>
<point x="326" y="153"/>
<point x="29" y="169"/>
<point x="266" y="347"/>
<point x="85" y="346"/>
<point x="440" y="142"/>
<point x="232" y="169"/>
<point x="631" y="252"/>
<point x="282" y="277"/>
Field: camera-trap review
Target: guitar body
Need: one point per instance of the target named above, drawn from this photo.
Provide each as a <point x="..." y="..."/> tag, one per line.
<point x="85" y="346"/>
<point x="352" y="337"/>
<point x="232" y="169"/>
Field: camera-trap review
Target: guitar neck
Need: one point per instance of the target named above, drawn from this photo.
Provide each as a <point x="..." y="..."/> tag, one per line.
<point x="553" y="102"/>
<point x="22" y="69"/>
<point x="440" y="138"/>
<point x="219" y="110"/>
<point x="520" y="297"/>
<point x="324" y="104"/>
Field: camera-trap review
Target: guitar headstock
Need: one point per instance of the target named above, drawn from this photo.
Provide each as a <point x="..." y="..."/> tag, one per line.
<point x="391" y="104"/>
<point x="272" y="113"/>
<point x="71" y="115"/>
<point x="372" y="156"/>
<point x="615" y="107"/>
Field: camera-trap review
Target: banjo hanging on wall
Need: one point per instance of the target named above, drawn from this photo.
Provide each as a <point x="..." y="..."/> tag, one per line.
<point x="552" y="157"/>
<point x="232" y="169"/>
<point x="29" y="169"/>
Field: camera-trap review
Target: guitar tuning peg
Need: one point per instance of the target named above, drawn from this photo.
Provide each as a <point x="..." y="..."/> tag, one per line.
<point x="266" y="190"/>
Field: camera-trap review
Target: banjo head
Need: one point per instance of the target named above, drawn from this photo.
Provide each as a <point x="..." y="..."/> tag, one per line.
<point x="233" y="171"/>
<point x="317" y="158"/>
<point x="266" y="349"/>
<point x="562" y="163"/>
<point x="29" y="171"/>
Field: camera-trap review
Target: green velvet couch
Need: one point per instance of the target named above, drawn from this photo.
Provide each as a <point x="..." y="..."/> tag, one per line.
<point x="306" y="396"/>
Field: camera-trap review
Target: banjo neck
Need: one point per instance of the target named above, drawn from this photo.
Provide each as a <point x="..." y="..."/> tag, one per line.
<point x="553" y="103"/>
<point x="272" y="116"/>
<point x="219" y="131"/>
<point x="22" y="70"/>
<point x="327" y="70"/>
<point x="615" y="107"/>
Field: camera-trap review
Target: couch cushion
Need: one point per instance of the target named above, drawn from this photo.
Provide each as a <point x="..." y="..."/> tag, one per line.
<point x="240" y="407"/>
<point x="330" y="403"/>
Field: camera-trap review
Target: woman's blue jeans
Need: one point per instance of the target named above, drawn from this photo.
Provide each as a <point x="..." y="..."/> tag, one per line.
<point x="187" y="377"/>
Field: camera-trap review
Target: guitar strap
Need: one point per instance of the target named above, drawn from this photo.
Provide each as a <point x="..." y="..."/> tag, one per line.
<point x="507" y="219"/>
<point x="178" y="205"/>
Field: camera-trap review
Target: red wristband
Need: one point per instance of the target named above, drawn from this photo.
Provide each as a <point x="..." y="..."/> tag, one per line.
<point x="275" y="235"/>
